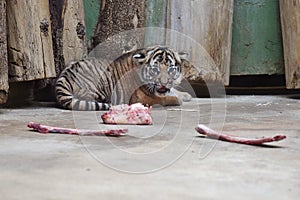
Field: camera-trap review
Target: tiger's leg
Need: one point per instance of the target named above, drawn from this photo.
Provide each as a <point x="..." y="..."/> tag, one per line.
<point x="183" y="96"/>
<point x="150" y="99"/>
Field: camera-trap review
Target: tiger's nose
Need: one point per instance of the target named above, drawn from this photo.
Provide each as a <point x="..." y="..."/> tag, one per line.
<point x="164" y="81"/>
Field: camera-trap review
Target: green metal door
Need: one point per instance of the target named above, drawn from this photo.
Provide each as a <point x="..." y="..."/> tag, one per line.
<point x="257" y="43"/>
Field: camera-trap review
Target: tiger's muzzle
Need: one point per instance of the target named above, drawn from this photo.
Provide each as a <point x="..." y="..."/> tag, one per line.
<point x="162" y="90"/>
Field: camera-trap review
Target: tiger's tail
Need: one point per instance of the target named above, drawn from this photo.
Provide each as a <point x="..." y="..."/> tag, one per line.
<point x="67" y="100"/>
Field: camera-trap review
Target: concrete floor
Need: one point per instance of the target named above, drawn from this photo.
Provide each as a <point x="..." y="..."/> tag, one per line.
<point x="165" y="161"/>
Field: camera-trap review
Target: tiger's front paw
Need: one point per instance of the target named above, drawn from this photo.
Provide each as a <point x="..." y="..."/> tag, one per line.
<point x="185" y="97"/>
<point x="172" y="101"/>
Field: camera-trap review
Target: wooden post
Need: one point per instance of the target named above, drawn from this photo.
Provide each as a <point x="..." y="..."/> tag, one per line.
<point x="290" y="20"/>
<point x="3" y="54"/>
<point x="29" y="40"/>
<point x="208" y="22"/>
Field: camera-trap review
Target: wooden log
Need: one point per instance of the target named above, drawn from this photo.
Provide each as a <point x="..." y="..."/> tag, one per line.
<point x="209" y="23"/>
<point x="29" y="40"/>
<point x="73" y="30"/>
<point x="290" y="20"/>
<point x="3" y="54"/>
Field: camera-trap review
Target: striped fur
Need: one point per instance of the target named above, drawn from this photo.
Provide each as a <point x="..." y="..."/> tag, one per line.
<point x="94" y="84"/>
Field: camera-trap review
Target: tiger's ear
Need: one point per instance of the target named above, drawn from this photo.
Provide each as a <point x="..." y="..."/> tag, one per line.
<point x="183" y="55"/>
<point x="140" y="58"/>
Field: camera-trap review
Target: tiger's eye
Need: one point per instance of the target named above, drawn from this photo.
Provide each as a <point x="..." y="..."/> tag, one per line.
<point x="154" y="71"/>
<point x="174" y="72"/>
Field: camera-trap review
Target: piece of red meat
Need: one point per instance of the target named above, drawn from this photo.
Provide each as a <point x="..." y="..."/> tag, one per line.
<point x="135" y="114"/>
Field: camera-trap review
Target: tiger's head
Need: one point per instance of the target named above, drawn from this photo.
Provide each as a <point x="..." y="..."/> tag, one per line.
<point x="161" y="68"/>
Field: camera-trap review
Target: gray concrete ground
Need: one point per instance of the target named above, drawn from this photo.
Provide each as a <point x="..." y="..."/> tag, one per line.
<point x="168" y="160"/>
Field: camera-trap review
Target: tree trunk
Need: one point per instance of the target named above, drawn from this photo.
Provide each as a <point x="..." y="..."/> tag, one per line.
<point x="3" y="54"/>
<point x="29" y="40"/>
<point x="115" y="18"/>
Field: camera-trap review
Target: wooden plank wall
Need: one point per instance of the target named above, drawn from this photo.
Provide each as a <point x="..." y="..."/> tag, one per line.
<point x="208" y="22"/>
<point x="30" y="45"/>
<point x="30" y="50"/>
<point x="3" y="54"/>
<point x="290" y="18"/>
<point x="29" y="40"/>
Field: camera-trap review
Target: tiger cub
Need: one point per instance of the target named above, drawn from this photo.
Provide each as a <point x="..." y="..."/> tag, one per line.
<point x="148" y="76"/>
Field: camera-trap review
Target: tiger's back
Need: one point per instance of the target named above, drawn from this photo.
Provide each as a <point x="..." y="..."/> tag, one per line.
<point x="90" y="84"/>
